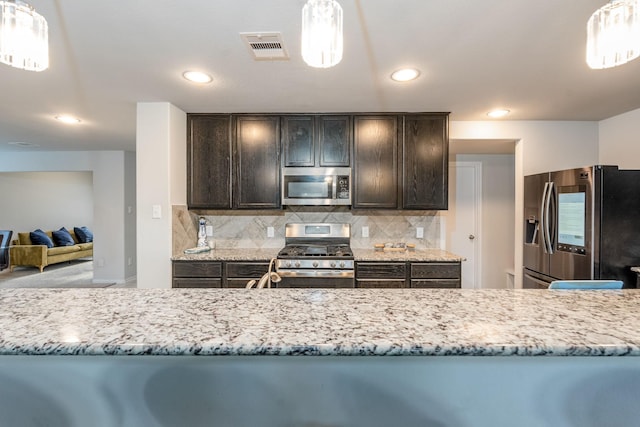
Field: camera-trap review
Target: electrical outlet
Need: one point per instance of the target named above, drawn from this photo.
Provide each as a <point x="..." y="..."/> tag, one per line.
<point x="365" y="231"/>
<point x="420" y="232"/>
<point x="156" y="212"/>
<point x="270" y="232"/>
<point x="209" y="229"/>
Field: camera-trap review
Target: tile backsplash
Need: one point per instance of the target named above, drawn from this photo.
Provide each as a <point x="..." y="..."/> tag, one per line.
<point x="248" y="229"/>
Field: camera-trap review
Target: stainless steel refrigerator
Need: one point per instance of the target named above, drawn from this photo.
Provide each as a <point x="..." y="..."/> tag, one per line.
<point x="581" y="224"/>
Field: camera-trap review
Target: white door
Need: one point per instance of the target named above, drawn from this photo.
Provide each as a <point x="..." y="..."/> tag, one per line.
<point x="464" y="218"/>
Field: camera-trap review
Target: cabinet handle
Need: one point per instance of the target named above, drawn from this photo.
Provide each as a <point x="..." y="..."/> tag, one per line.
<point x="471" y="237"/>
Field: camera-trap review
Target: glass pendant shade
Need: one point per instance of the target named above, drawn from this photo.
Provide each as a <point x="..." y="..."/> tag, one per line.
<point x="613" y="34"/>
<point x="24" y="36"/>
<point x="322" y="33"/>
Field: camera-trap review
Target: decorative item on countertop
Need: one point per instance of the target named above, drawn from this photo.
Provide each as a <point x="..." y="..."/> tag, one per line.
<point x="394" y="247"/>
<point x="203" y="243"/>
<point x="197" y="250"/>
<point x="202" y="234"/>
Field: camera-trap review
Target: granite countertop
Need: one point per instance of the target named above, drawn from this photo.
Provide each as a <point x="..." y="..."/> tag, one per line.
<point x="635" y="269"/>
<point x="339" y="322"/>
<point x="234" y="254"/>
<point x="426" y="255"/>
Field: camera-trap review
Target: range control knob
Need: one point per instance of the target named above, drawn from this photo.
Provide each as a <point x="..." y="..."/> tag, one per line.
<point x="333" y="264"/>
<point x="297" y="264"/>
<point x="315" y="263"/>
<point x="342" y="264"/>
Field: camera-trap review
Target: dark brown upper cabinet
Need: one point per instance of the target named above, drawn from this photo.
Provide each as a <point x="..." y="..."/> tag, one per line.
<point x="425" y="162"/>
<point x="401" y="161"/>
<point x="257" y="162"/>
<point x="209" y="161"/>
<point x="316" y="140"/>
<point x="375" y="171"/>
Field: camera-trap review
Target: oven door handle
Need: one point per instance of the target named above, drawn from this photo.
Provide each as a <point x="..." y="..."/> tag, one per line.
<point x="317" y="273"/>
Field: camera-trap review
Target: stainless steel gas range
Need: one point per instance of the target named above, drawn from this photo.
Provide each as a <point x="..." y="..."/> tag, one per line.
<point x="316" y="255"/>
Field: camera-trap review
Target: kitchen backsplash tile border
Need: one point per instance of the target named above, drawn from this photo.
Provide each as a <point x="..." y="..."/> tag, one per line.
<point x="248" y="229"/>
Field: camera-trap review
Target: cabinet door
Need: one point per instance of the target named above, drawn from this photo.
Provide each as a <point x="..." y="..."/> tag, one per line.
<point x="375" y="175"/>
<point x="237" y="274"/>
<point x="181" y="282"/>
<point x="425" y="169"/>
<point x="298" y="141"/>
<point x="209" y="161"/>
<point x="334" y="136"/>
<point x="197" y="274"/>
<point x="435" y="275"/>
<point x="257" y="163"/>
<point x="381" y="274"/>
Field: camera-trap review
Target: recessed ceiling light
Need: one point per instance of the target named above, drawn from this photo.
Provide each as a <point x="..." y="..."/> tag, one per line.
<point x="197" y="77"/>
<point x="70" y="120"/>
<point x="496" y="114"/>
<point x="405" y="74"/>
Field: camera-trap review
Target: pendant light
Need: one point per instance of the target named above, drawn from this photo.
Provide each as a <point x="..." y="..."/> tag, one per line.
<point x="322" y="33"/>
<point x="613" y="34"/>
<point x="24" y="36"/>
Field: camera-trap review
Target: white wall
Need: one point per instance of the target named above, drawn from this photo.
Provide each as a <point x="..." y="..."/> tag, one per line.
<point x="619" y="141"/>
<point x="160" y="181"/>
<point x="108" y="192"/>
<point x="46" y="200"/>
<point x="498" y="216"/>
<point x="547" y="145"/>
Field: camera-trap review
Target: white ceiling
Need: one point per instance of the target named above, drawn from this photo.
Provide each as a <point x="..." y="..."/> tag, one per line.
<point x="106" y="56"/>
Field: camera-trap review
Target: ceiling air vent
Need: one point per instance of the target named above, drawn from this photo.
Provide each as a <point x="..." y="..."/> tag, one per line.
<point x="265" y="46"/>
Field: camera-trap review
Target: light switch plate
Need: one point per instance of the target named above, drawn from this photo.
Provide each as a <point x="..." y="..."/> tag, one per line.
<point x="365" y="231"/>
<point x="270" y="232"/>
<point x="420" y="232"/>
<point x="156" y="212"/>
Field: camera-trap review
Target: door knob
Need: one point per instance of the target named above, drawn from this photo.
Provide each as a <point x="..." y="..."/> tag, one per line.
<point x="471" y="237"/>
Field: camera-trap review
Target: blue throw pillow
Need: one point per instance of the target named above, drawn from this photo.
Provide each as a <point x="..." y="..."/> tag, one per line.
<point x="39" y="237"/>
<point x="62" y="237"/>
<point x="83" y="234"/>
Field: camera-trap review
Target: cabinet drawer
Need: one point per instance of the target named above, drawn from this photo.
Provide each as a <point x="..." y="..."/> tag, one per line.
<point x="252" y="270"/>
<point x="436" y="283"/>
<point x="238" y="283"/>
<point x="392" y="283"/>
<point x="381" y="270"/>
<point x="435" y="270"/>
<point x="196" y="283"/>
<point x="197" y="269"/>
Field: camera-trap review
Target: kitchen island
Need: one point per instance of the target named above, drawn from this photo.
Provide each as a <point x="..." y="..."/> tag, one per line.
<point x="315" y="357"/>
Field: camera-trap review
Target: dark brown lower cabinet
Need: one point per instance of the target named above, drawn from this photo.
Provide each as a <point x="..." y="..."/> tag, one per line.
<point x="381" y="274"/>
<point x="237" y="274"/>
<point x="369" y="274"/>
<point x="376" y="274"/>
<point x="197" y="274"/>
<point x="435" y="275"/>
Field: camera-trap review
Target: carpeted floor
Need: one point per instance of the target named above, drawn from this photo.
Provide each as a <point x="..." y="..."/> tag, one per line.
<point x="74" y="274"/>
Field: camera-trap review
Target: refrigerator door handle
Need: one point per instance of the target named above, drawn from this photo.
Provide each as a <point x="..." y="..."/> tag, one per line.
<point x="551" y="213"/>
<point x="547" y="207"/>
<point x="543" y="218"/>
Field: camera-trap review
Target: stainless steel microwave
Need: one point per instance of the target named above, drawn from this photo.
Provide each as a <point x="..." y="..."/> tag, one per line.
<point x="316" y="186"/>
